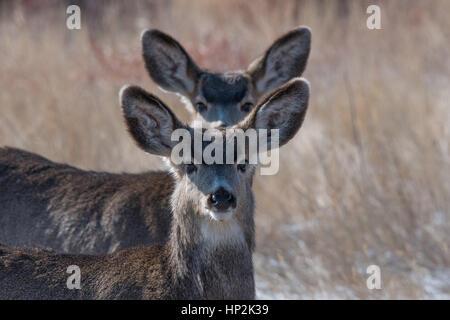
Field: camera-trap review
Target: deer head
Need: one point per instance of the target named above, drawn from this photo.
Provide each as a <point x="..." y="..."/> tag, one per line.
<point x="224" y="98"/>
<point x="217" y="197"/>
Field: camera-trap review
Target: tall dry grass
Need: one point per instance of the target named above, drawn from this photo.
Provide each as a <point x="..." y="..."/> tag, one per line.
<point x="367" y="179"/>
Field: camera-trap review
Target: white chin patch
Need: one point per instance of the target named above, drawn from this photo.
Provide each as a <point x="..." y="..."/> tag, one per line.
<point x="221" y="216"/>
<point x="221" y="229"/>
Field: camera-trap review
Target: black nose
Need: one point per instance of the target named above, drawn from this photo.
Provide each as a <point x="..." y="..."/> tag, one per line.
<point x="221" y="200"/>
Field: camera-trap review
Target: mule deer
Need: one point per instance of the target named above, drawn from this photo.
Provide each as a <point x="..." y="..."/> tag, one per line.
<point x="59" y="207"/>
<point x="224" y="98"/>
<point x="211" y="239"/>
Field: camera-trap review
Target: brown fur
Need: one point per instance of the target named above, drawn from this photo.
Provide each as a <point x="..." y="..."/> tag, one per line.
<point x="56" y="206"/>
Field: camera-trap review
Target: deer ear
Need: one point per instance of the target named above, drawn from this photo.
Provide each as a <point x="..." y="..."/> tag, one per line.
<point x="168" y="63"/>
<point x="283" y="110"/>
<point x="149" y="121"/>
<point x="284" y="60"/>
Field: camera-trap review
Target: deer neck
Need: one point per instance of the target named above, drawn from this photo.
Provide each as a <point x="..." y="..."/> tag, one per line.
<point x="210" y="259"/>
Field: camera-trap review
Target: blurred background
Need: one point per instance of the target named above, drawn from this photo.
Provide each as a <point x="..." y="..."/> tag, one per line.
<point x="367" y="179"/>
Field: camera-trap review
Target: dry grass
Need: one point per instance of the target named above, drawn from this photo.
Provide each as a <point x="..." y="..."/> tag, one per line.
<point x="367" y="180"/>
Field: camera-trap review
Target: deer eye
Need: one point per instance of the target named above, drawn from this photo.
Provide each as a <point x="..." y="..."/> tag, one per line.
<point x="242" y="167"/>
<point x="190" y="168"/>
<point x="201" y="107"/>
<point x="247" y="107"/>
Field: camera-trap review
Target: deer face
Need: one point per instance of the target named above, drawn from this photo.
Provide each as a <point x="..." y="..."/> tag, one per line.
<point x="214" y="190"/>
<point x="224" y="99"/>
<point x="219" y="192"/>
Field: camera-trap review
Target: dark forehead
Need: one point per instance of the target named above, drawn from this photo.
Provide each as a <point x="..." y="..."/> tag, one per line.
<point x="232" y="145"/>
<point x="224" y="87"/>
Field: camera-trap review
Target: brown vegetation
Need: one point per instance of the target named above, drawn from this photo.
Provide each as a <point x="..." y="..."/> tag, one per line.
<point x="367" y="180"/>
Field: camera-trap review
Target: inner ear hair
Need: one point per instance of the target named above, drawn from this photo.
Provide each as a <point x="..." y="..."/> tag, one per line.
<point x="285" y="59"/>
<point x="284" y="109"/>
<point x="168" y="63"/>
<point x="149" y="121"/>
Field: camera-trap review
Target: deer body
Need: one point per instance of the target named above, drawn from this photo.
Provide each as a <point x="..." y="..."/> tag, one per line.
<point x="194" y="270"/>
<point x="49" y="205"/>
<point x="208" y="254"/>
